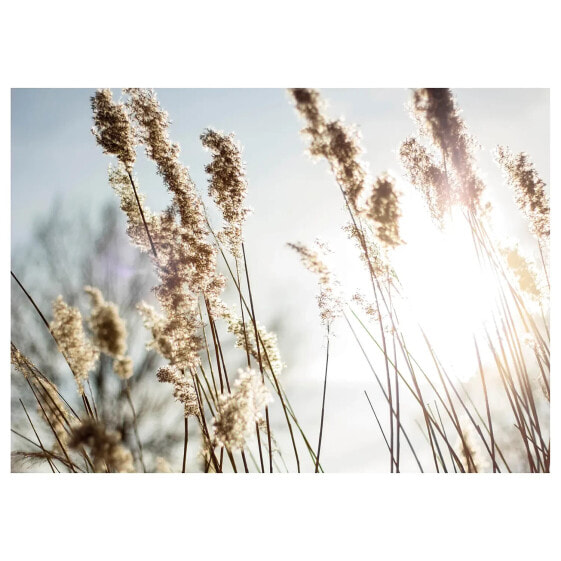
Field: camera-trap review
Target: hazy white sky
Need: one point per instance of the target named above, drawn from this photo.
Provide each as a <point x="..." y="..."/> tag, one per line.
<point x="55" y="155"/>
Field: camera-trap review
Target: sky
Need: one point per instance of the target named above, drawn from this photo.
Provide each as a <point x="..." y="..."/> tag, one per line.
<point x="55" y="155"/>
<point x="55" y="158"/>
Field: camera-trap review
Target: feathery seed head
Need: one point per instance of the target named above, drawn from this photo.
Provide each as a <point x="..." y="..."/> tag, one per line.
<point x="121" y="184"/>
<point x="112" y="129"/>
<point x="105" y="448"/>
<point x="123" y="367"/>
<point x="110" y="333"/>
<point x="21" y="362"/>
<point x="49" y="404"/>
<point x="438" y="116"/>
<point x="427" y="176"/>
<point x="153" y="123"/>
<point x="309" y="104"/>
<point x="183" y="389"/>
<point x="175" y="337"/>
<point x="368" y="307"/>
<point x="240" y="410"/>
<point x="524" y="271"/>
<point x="376" y="260"/>
<point x="529" y="189"/>
<point x="72" y="341"/>
<point x="228" y="185"/>
<point x="155" y="323"/>
<point x="332" y="140"/>
<point x="329" y="300"/>
<point x="245" y="339"/>
<point x="439" y="120"/>
<point x="383" y="210"/>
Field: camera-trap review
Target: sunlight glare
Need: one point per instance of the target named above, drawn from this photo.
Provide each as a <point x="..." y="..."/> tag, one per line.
<point x="445" y="284"/>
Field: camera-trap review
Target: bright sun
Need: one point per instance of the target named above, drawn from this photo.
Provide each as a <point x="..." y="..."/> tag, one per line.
<point x="445" y="285"/>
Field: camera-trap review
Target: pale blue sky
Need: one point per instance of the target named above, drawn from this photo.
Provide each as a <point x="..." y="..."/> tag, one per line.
<point x="54" y="153"/>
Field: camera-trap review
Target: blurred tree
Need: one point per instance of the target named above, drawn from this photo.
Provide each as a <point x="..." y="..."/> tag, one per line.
<point x="66" y="252"/>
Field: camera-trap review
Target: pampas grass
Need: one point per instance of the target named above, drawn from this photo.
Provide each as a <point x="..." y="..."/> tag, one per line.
<point x="192" y="324"/>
